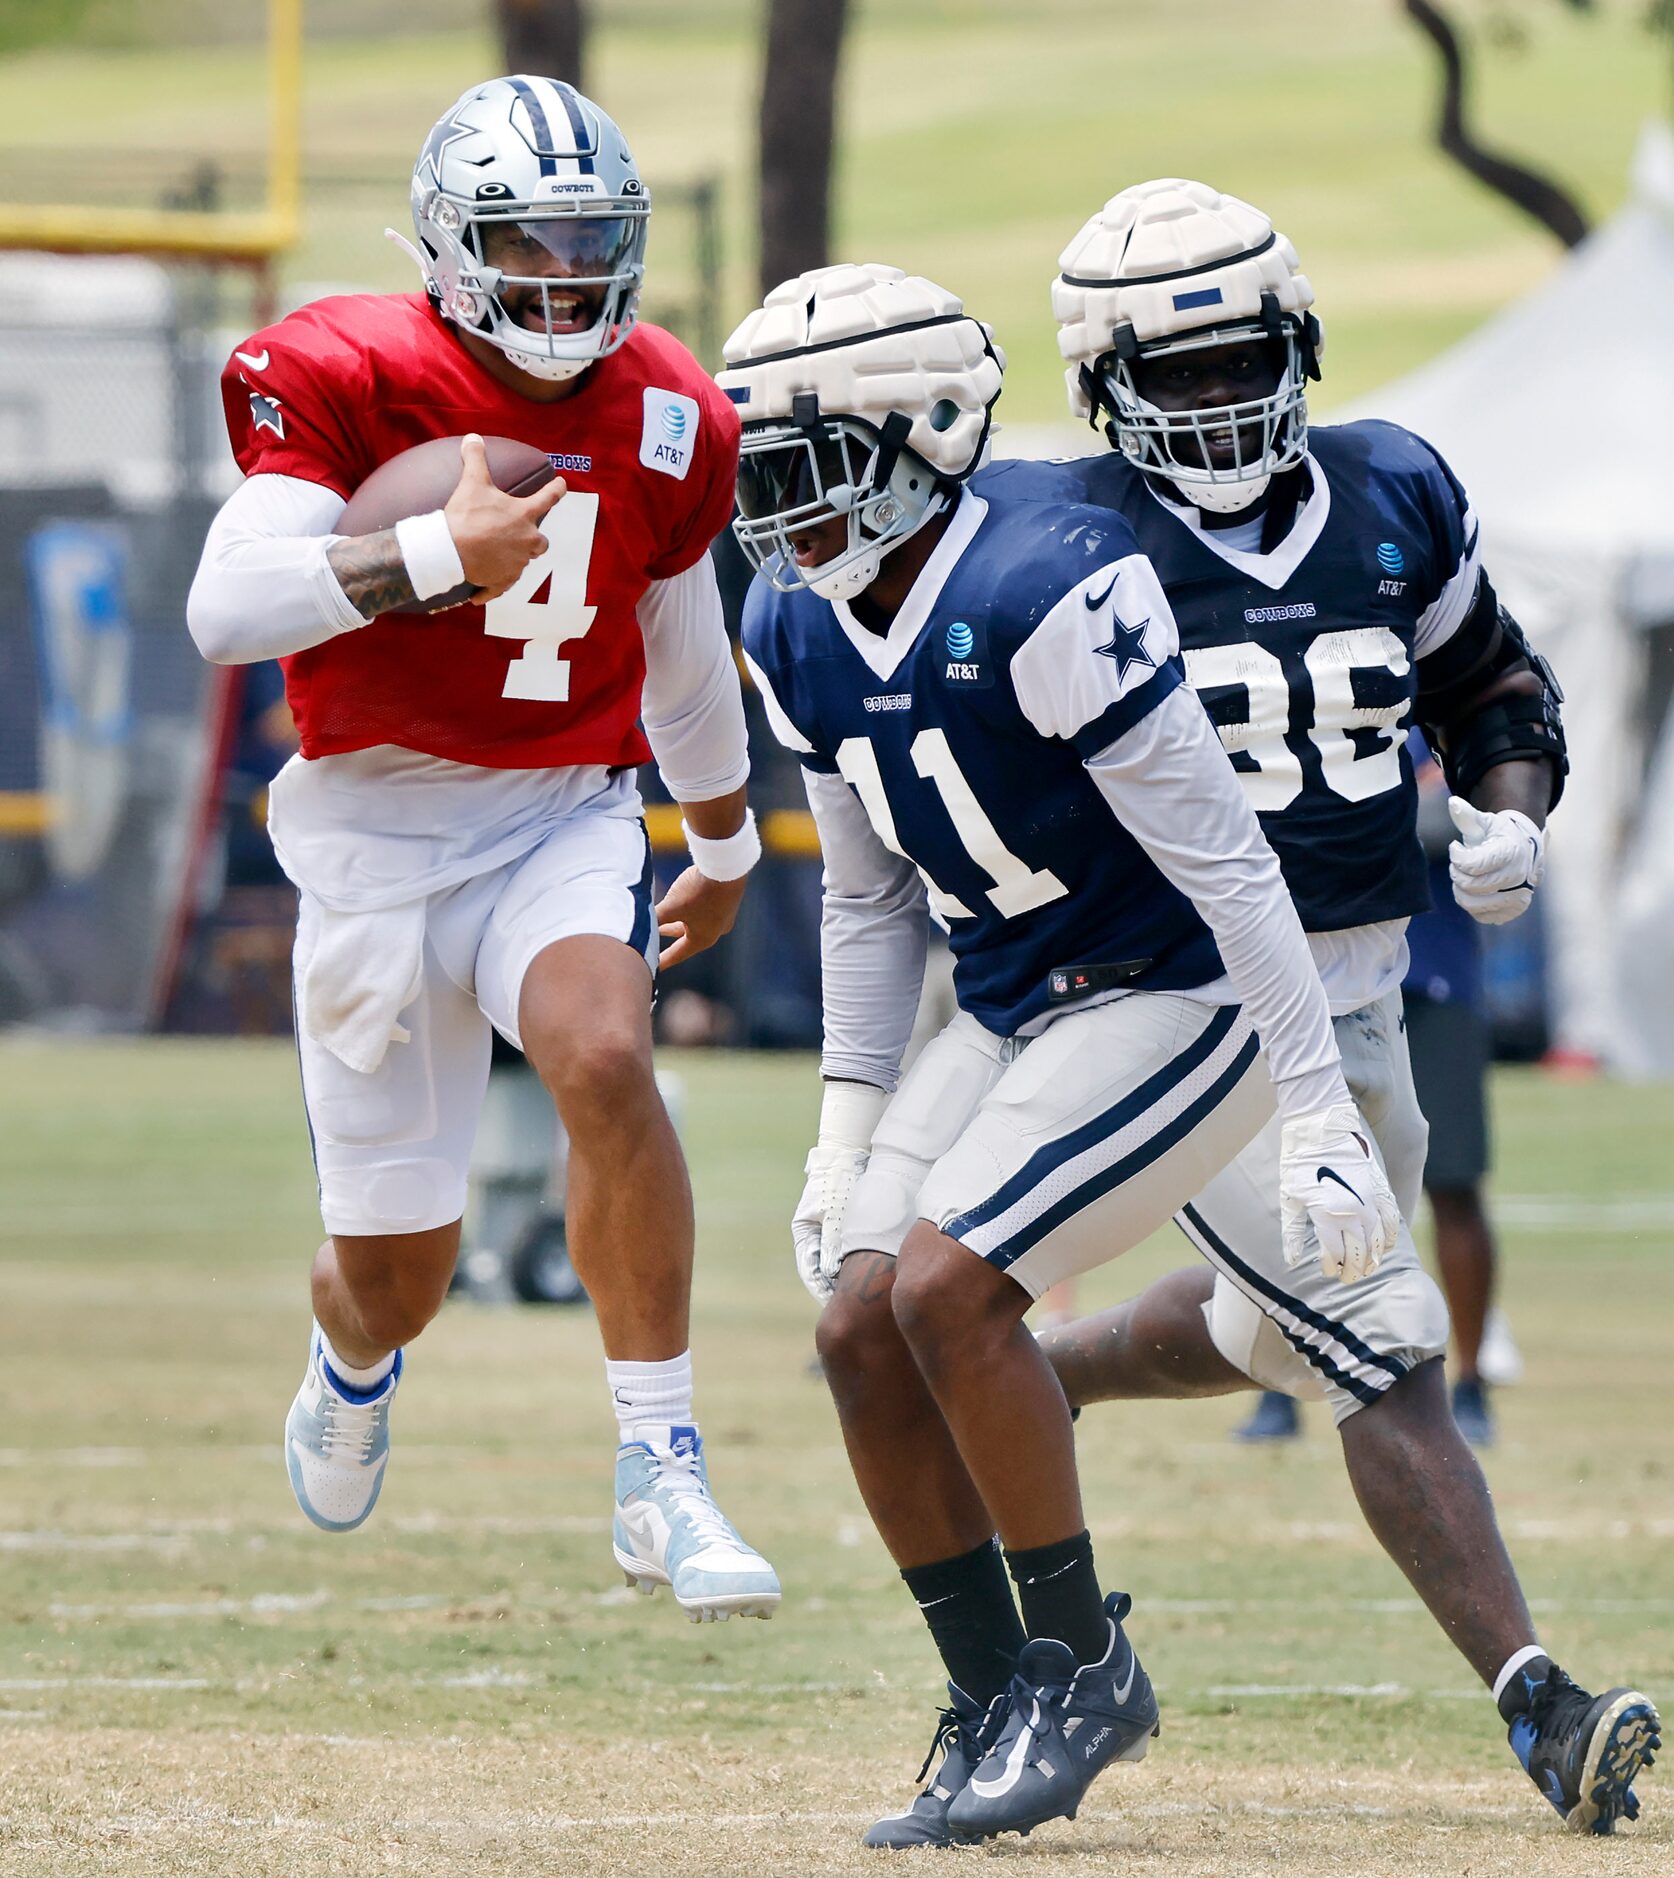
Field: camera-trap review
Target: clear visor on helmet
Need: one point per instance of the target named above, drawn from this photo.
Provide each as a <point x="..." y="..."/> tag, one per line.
<point x="1232" y="442"/>
<point x="552" y="286"/>
<point x="795" y="480"/>
<point x="582" y="248"/>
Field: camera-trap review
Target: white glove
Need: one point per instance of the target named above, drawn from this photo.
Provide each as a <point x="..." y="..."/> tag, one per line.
<point x="835" y="1163"/>
<point x="1497" y="864"/>
<point x="1333" y="1196"/>
<point x="817" y="1223"/>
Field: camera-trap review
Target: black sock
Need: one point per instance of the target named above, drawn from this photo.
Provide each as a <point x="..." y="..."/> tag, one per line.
<point x="1517" y="1694"/>
<point x="1059" y="1589"/>
<point x="973" y="1621"/>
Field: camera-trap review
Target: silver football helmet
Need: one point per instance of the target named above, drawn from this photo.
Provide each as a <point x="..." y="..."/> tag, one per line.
<point x="531" y="221"/>
<point x="1173" y="267"/>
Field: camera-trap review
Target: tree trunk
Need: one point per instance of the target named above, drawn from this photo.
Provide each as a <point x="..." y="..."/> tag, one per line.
<point x="798" y="113"/>
<point x="1535" y="195"/>
<point x="544" y="37"/>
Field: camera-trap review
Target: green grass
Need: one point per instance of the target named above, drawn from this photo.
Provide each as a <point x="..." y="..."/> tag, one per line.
<point x="193" y="1680"/>
<point x="975" y="139"/>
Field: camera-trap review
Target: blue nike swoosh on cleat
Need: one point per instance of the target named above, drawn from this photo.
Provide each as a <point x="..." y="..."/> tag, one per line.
<point x="1325" y="1173"/>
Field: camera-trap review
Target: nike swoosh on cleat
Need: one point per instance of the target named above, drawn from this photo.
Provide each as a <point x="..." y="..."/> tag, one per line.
<point x="1325" y="1173"/>
<point x="1126" y="1689"/>
<point x="257" y="361"/>
<point x="991" y="1789"/>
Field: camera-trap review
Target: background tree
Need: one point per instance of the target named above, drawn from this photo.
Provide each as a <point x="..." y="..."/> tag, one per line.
<point x="546" y="37"/>
<point x="798" y="118"/>
<point x="1550" y="205"/>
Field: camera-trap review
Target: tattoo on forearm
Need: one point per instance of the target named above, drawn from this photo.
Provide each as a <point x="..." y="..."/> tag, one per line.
<point x="370" y="570"/>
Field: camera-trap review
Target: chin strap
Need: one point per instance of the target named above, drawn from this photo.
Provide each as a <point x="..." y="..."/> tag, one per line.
<point x="410" y="251"/>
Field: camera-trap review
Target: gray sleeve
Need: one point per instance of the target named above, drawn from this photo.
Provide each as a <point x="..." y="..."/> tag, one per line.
<point x="874" y="927"/>
<point x="1168" y="782"/>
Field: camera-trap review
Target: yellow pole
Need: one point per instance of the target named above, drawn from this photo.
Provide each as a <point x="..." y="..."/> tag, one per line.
<point x="284" y="199"/>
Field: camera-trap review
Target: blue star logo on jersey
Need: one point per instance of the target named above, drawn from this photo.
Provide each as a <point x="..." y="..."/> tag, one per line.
<point x="1390" y="557"/>
<point x="1127" y="647"/>
<point x="266" y="415"/>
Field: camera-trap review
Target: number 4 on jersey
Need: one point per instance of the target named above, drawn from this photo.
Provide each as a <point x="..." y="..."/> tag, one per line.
<point x="548" y="605"/>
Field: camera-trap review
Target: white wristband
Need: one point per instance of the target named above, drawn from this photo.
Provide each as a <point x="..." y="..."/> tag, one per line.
<point x="433" y="563"/>
<point x="731" y="856"/>
<point x="849" y="1115"/>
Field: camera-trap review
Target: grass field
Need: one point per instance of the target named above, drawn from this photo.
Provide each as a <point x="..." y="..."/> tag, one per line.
<point x="976" y="136"/>
<point x="192" y="1680"/>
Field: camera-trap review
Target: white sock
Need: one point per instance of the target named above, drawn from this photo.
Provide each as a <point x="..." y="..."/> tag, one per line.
<point x="368" y="1378"/>
<point x="651" y="1392"/>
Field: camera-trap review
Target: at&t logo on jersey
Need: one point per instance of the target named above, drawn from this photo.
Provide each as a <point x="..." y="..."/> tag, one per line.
<point x="670" y="433"/>
<point x="967" y="649"/>
<point x="1392" y="561"/>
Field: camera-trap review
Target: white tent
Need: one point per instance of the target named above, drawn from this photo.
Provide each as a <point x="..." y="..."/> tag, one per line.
<point x="1558" y="417"/>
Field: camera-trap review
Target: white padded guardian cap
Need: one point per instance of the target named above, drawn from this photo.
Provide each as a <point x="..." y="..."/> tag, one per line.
<point x="1173" y="265"/>
<point x="863" y="391"/>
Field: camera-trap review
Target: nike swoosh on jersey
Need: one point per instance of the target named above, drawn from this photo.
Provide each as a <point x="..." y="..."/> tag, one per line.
<point x="1093" y="604"/>
<point x="1325" y="1173"/>
<point x="257" y="361"/>
<point x="1008" y="1775"/>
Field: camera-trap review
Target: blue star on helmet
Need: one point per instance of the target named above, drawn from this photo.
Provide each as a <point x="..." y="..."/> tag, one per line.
<point x="1127" y="647"/>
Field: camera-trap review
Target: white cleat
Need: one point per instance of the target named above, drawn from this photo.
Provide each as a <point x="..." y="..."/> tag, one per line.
<point x="669" y="1531"/>
<point x="337" y="1443"/>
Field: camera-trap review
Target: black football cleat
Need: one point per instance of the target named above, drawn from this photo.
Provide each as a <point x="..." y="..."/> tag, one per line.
<point x="961" y="1740"/>
<point x="1064" y="1724"/>
<point x="1584" y="1751"/>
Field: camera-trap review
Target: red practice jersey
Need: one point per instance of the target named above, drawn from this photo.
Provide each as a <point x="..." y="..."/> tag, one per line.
<point x="551" y="672"/>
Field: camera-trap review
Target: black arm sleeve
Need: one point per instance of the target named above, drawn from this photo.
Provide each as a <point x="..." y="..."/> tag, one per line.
<point x="1471" y="737"/>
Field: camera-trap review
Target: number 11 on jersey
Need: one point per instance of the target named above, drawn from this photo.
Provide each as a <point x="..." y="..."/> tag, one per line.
<point x="538" y="675"/>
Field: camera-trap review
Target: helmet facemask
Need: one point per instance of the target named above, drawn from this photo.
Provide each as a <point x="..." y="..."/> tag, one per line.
<point x="601" y="254"/>
<point x="811" y="470"/>
<point x="1266" y="434"/>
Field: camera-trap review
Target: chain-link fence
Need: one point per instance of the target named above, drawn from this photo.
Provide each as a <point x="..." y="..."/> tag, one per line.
<point x="137" y="886"/>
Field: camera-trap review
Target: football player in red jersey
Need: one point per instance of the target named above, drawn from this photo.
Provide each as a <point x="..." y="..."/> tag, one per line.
<point x="462" y="820"/>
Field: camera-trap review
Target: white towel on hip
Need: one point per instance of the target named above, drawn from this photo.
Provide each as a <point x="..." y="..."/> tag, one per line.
<point x="362" y="971"/>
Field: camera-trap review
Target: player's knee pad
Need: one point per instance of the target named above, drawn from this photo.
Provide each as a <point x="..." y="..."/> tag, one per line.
<point x="884" y="1205"/>
<point x="1403" y="1321"/>
<point x="369" y="1197"/>
<point x="1251" y="1342"/>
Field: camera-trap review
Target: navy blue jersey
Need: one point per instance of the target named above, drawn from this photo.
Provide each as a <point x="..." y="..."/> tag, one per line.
<point x="1305" y="656"/>
<point x="1035" y="637"/>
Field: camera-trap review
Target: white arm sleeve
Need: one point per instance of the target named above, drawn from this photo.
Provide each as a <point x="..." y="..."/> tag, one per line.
<point x="873" y="929"/>
<point x="1169" y="783"/>
<point x="264" y="587"/>
<point x="693" y="707"/>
